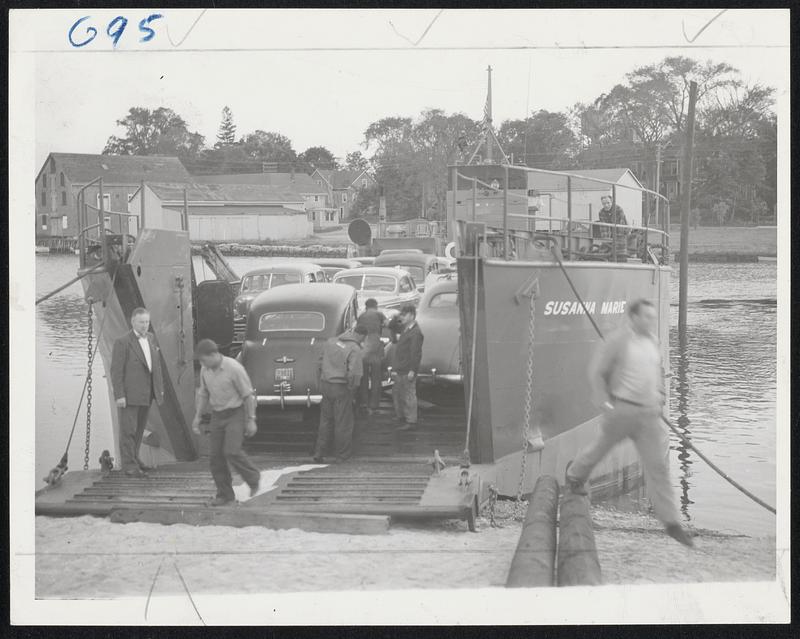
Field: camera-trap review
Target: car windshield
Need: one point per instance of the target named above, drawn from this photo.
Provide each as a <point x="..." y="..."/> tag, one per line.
<point x="444" y="299"/>
<point x="381" y="283"/>
<point x="255" y="283"/>
<point x="351" y="280"/>
<point x="291" y="321"/>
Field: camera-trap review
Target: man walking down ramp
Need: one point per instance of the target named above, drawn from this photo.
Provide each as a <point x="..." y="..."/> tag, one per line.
<point x="407" y="358"/>
<point x="340" y="371"/>
<point x="136" y="379"/>
<point x="226" y="390"/>
<point x="628" y="383"/>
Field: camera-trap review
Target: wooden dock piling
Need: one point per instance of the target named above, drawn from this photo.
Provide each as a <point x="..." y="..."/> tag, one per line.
<point x="578" y="564"/>
<point x="533" y="565"/>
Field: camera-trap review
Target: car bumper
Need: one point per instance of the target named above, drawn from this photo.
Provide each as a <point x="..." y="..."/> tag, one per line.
<point x="288" y="400"/>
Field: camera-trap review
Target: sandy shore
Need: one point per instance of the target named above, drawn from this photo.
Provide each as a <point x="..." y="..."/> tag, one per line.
<point x="87" y="557"/>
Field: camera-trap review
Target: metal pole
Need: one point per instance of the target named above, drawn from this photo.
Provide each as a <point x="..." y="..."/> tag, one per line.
<point x="505" y="213"/>
<point x="451" y="221"/>
<point x="614" y="220"/>
<point x="102" y="215"/>
<point x="474" y="199"/>
<point x="141" y="206"/>
<point x="657" y="189"/>
<point x="81" y="226"/>
<point x="185" y="221"/>
<point x="685" y="207"/>
<point x="569" y="217"/>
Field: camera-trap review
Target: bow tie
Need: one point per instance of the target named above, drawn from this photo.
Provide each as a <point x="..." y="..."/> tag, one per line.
<point x="139" y="336"/>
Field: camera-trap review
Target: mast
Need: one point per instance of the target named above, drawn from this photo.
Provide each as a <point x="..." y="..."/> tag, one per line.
<point x="487" y="135"/>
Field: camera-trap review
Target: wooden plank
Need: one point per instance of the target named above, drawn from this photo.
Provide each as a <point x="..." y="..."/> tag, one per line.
<point x="120" y="499"/>
<point x="533" y="565"/>
<point x="578" y="564"/>
<point x="239" y="517"/>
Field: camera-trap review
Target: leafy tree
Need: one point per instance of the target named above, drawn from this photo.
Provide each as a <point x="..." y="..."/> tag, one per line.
<point x="356" y="161"/>
<point x="366" y="202"/>
<point x="318" y="157"/>
<point x="544" y="139"/>
<point x="157" y="132"/>
<point x="266" y="146"/>
<point x="227" y="129"/>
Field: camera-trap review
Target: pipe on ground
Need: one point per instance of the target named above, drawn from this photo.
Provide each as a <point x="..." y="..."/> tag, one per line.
<point x="534" y="560"/>
<point x="578" y="564"/>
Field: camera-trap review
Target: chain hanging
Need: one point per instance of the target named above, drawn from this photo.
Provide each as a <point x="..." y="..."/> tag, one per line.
<point x="526" y="428"/>
<point x="89" y="361"/>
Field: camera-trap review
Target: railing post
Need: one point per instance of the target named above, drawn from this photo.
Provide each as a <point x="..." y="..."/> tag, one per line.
<point x="614" y="220"/>
<point x="646" y="224"/>
<point x="474" y="199"/>
<point x="81" y="233"/>
<point x="141" y="206"/>
<point x="505" y="214"/>
<point x="569" y="217"/>
<point x="185" y="221"/>
<point x="102" y="221"/>
<point x="665" y="240"/>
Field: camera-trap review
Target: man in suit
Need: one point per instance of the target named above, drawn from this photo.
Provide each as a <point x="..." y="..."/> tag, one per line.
<point x="137" y="381"/>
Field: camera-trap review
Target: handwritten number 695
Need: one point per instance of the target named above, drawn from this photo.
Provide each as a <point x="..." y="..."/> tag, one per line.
<point x="114" y="30"/>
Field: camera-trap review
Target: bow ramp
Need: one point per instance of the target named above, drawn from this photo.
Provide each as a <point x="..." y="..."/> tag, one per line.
<point x="354" y="498"/>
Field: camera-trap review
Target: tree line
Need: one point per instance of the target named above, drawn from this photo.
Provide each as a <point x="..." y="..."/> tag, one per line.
<point x="735" y="176"/>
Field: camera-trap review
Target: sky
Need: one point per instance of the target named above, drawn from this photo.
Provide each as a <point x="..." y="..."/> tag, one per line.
<point x="320" y="77"/>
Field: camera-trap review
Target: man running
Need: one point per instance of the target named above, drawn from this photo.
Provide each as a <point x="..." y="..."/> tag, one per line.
<point x="627" y="380"/>
<point x="226" y="390"/>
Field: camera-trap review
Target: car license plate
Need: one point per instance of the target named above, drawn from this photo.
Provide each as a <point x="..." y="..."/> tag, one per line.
<point x="284" y="374"/>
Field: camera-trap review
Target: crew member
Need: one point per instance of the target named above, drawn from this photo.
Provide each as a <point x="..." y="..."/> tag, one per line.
<point x="372" y="355"/>
<point x="340" y="370"/>
<point x="136" y="379"/>
<point x="227" y="392"/>
<point x="407" y="357"/>
<point x="627" y="379"/>
<point x="611" y="213"/>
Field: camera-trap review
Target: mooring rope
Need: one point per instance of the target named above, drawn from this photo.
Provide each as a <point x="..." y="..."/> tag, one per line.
<point x="70" y="283"/>
<point x="671" y="426"/>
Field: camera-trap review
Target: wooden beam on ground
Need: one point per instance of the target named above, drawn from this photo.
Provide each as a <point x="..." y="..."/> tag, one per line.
<point x="578" y="564"/>
<point x="239" y="517"/>
<point x="533" y="565"/>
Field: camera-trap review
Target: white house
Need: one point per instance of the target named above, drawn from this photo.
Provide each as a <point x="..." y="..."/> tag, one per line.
<point x="225" y="212"/>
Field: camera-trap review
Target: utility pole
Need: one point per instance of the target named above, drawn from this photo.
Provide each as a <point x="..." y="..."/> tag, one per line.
<point x="487" y="114"/>
<point x="686" y="204"/>
<point x="657" y="188"/>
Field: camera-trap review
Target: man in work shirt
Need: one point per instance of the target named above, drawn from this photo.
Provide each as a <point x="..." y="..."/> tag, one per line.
<point x="372" y="355"/>
<point x="407" y="357"/>
<point x="340" y="371"/>
<point x="137" y="381"/>
<point x="611" y="213"/>
<point x="227" y="392"/>
<point x="627" y="380"/>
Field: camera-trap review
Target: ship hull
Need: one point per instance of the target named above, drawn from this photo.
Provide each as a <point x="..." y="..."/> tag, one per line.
<point x="564" y="343"/>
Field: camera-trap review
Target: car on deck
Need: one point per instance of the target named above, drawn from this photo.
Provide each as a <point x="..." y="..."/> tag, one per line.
<point x="274" y="274"/>
<point x="438" y="318"/>
<point x="419" y="265"/>
<point x="391" y="287"/>
<point x="286" y="330"/>
<point x="332" y="265"/>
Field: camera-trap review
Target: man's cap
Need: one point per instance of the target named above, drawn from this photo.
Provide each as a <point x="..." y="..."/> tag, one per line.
<point x="408" y="308"/>
<point x="206" y="347"/>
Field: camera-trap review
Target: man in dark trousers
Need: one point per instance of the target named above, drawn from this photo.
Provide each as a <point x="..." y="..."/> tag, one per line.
<point x="340" y="371"/>
<point x="227" y="392"/>
<point x="407" y="357"/>
<point x="372" y="355"/>
<point x="136" y="379"/>
<point x="611" y="213"/>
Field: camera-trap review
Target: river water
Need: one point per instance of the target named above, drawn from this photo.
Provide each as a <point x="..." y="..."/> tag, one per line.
<point x="723" y="386"/>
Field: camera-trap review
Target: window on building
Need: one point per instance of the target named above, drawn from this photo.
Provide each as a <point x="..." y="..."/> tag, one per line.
<point x="316" y="198"/>
<point x="43" y="221"/>
<point x="106" y="201"/>
<point x="344" y="198"/>
<point x="63" y="198"/>
<point x="61" y="179"/>
<point x="64" y="222"/>
<point x="44" y="198"/>
<point x="364" y="183"/>
<point x="44" y="180"/>
<point x="330" y="216"/>
<point x="52" y="165"/>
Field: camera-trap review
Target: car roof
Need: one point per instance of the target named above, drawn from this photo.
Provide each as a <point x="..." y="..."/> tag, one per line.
<point x="337" y="261"/>
<point x="328" y="299"/>
<point x="290" y="267"/>
<point x="373" y="270"/>
<point x="411" y="258"/>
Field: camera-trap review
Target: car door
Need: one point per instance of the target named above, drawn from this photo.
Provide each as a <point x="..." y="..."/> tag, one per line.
<point x="408" y="291"/>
